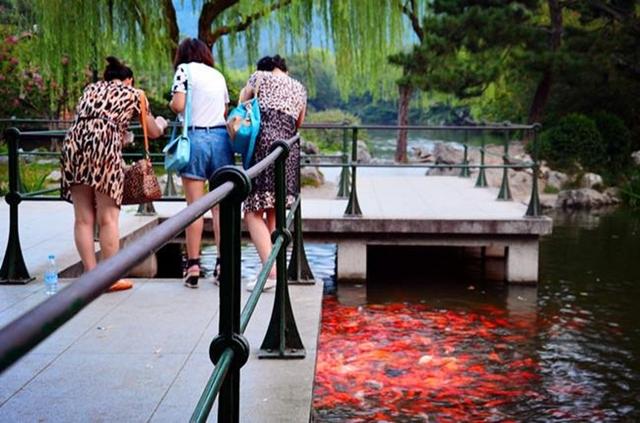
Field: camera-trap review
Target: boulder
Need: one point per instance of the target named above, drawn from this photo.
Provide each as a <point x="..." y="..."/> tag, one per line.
<point x="311" y="176"/>
<point x="54" y="176"/>
<point x="363" y="152"/>
<point x="422" y="155"/>
<point x="613" y="194"/>
<point x="583" y="198"/>
<point x="307" y="147"/>
<point x="635" y="157"/>
<point x="447" y="153"/>
<point x="556" y="179"/>
<point x="590" y="180"/>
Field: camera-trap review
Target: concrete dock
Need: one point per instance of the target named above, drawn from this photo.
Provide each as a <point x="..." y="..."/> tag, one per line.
<point x="411" y="209"/>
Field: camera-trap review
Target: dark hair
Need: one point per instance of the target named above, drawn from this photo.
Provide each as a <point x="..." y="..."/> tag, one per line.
<point x="193" y="50"/>
<point x="279" y="63"/>
<point x="268" y="63"/>
<point x="116" y="70"/>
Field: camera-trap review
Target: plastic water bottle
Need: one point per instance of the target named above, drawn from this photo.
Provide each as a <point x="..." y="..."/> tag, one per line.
<point x="51" y="276"/>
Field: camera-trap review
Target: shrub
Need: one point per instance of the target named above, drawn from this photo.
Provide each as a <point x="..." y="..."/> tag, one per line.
<point x="574" y="139"/>
<point x="617" y="140"/>
<point x="330" y="140"/>
<point x="630" y="191"/>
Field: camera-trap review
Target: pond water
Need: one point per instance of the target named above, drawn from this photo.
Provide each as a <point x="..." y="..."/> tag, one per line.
<point x="432" y="339"/>
<point x="441" y="344"/>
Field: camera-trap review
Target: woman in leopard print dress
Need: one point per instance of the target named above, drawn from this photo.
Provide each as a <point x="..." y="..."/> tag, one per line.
<point x="283" y="103"/>
<point x="91" y="160"/>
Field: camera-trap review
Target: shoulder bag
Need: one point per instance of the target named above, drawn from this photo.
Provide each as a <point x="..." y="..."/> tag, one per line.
<point x="243" y="126"/>
<point x="140" y="182"/>
<point x="178" y="150"/>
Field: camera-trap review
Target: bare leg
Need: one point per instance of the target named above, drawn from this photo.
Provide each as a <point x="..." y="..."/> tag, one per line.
<point x="108" y="214"/>
<point x="260" y="235"/>
<point x="193" y="190"/>
<point x="85" y="216"/>
<point x="215" y="214"/>
<point x="271" y="220"/>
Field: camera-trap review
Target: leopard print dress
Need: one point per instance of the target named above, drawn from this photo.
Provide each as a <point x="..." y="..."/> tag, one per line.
<point x="92" y="150"/>
<point x="281" y="99"/>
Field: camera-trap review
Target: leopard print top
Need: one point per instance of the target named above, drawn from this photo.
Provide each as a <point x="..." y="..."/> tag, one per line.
<point x="281" y="99"/>
<point x="92" y="150"/>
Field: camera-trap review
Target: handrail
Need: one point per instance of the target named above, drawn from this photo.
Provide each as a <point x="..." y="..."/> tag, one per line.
<point x="229" y="350"/>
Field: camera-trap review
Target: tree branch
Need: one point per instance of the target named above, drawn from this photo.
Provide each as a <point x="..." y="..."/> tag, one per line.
<point x="241" y="26"/>
<point x="415" y="22"/>
<point x="210" y="12"/>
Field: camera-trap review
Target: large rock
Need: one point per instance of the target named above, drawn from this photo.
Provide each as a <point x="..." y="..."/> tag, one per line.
<point x="311" y="176"/>
<point x="308" y="147"/>
<point x="590" y="180"/>
<point x="363" y="152"/>
<point x="583" y="198"/>
<point x="613" y="194"/>
<point x="54" y="176"/>
<point x="444" y="154"/>
<point x="447" y="153"/>
<point x="556" y="179"/>
<point x="635" y="156"/>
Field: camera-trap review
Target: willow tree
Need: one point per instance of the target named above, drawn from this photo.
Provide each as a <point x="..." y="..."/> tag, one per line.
<point x="74" y="35"/>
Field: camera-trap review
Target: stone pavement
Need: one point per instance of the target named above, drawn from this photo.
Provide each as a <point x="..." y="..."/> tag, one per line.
<point x="142" y="355"/>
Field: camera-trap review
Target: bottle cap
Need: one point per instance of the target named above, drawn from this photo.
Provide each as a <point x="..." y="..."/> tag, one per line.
<point x="51" y="257"/>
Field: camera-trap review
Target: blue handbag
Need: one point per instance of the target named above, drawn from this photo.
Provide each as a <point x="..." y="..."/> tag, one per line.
<point x="243" y="125"/>
<point x="178" y="150"/>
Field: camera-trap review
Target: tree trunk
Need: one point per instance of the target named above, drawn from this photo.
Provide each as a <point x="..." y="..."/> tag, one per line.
<point x="403" y="119"/>
<point x="172" y="25"/>
<point x="543" y="90"/>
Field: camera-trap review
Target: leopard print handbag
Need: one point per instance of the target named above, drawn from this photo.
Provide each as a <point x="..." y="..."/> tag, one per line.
<point x="140" y="182"/>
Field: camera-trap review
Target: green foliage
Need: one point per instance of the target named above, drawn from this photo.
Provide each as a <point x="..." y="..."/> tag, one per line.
<point x="630" y="191"/>
<point x="574" y="139"/>
<point x="617" y="140"/>
<point x="34" y="175"/>
<point x="330" y="140"/>
<point x="548" y="189"/>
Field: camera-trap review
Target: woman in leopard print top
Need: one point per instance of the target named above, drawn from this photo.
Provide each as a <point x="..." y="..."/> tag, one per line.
<point x="91" y="160"/>
<point x="283" y="102"/>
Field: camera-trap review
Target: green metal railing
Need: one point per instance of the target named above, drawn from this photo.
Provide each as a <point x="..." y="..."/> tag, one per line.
<point x="229" y="351"/>
<point x="348" y="188"/>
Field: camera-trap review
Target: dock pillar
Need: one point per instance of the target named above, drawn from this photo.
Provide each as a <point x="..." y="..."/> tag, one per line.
<point x="351" y="261"/>
<point x="522" y="261"/>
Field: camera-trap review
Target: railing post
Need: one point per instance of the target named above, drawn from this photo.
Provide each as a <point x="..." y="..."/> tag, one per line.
<point x="230" y="335"/>
<point x="481" y="182"/>
<point x="170" y="187"/>
<point x="343" y="188"/>
<point x="353" y="207"/>
<point x="282" y="339"/>
<point x="299" y="271"/>
<point x="146" y="209"/>
<point x="464" y="173"/>
<point x="534" y="209"/>
<point x="14" y="269"/>
<point x="505" y="191"/>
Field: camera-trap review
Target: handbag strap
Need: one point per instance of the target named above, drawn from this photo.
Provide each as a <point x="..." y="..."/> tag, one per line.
<point x="143" y="120"/>
<point x="187" y="107"/>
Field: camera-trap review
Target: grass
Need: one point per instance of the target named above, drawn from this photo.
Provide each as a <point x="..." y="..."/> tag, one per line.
<point x="32" y="176"/>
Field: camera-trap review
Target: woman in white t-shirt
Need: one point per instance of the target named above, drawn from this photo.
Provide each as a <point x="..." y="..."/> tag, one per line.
<point x="210" y="145"/>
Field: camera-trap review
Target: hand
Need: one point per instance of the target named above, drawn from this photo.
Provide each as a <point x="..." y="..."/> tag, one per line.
<point x="162" y="123"/>
<point x="128" y="138"/>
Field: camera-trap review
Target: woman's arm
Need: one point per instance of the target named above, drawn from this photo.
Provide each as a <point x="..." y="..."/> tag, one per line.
<point x="155" y="127"/>
<point x="177" y="103"/>
<point x="246" y="93"/>
<point x="301" y="116"/>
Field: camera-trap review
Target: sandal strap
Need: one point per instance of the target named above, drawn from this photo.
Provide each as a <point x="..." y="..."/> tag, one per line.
<point x="193" y="262"/>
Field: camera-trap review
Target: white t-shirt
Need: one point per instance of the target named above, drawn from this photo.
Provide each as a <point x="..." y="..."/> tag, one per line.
<point x="209" y="94"/>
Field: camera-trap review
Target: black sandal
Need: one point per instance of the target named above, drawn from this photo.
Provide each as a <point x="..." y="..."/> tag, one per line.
<point x="216" y="272"/>
<point x="191" y="277"/>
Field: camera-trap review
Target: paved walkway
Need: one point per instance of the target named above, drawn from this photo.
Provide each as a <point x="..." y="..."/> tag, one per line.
<point x="142" y="355"/>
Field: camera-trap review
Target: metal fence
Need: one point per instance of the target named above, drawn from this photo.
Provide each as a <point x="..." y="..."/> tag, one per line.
<point x="229" y="350"/>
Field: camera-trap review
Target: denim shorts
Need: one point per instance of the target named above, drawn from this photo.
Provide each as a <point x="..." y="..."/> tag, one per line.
<point x="210" y="150"/>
